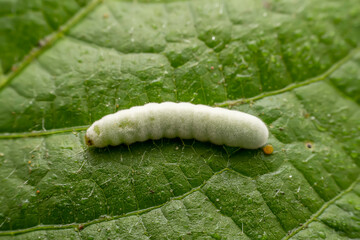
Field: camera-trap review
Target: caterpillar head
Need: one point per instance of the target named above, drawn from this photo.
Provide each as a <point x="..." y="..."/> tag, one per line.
<point x="88" y="140"/>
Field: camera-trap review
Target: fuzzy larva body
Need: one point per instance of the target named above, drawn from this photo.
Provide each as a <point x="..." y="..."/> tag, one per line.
<point x="185" y="120"/>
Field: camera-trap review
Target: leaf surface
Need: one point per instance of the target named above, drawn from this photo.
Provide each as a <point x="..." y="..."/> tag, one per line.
<point x="294" y="64"/>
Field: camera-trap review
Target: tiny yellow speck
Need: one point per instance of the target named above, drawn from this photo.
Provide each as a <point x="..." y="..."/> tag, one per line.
<point x="268" y="149"/>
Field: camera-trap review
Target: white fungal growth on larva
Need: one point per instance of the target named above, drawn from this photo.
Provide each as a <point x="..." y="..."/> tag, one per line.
<point x="185" y="120"/>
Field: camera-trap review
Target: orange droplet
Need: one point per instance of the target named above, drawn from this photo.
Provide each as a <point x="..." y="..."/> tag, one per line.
<point x="29" y="162"/>
<point x="268" y="149"/>
<point x="37" y="191"/>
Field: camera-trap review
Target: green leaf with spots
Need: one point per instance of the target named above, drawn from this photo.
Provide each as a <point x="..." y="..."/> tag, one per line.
<point x="295" y="64"/>
<point x="25" y="24"/>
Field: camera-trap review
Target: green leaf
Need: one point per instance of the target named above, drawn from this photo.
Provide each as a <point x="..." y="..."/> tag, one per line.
<point x="295" y="64"/>
<point x="24" y="25"/>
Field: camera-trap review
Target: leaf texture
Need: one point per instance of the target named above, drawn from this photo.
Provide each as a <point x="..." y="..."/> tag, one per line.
<point x="295" y="64"/>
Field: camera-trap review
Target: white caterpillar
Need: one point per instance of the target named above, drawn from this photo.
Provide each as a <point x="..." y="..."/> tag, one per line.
<point x="185" y="120"/>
